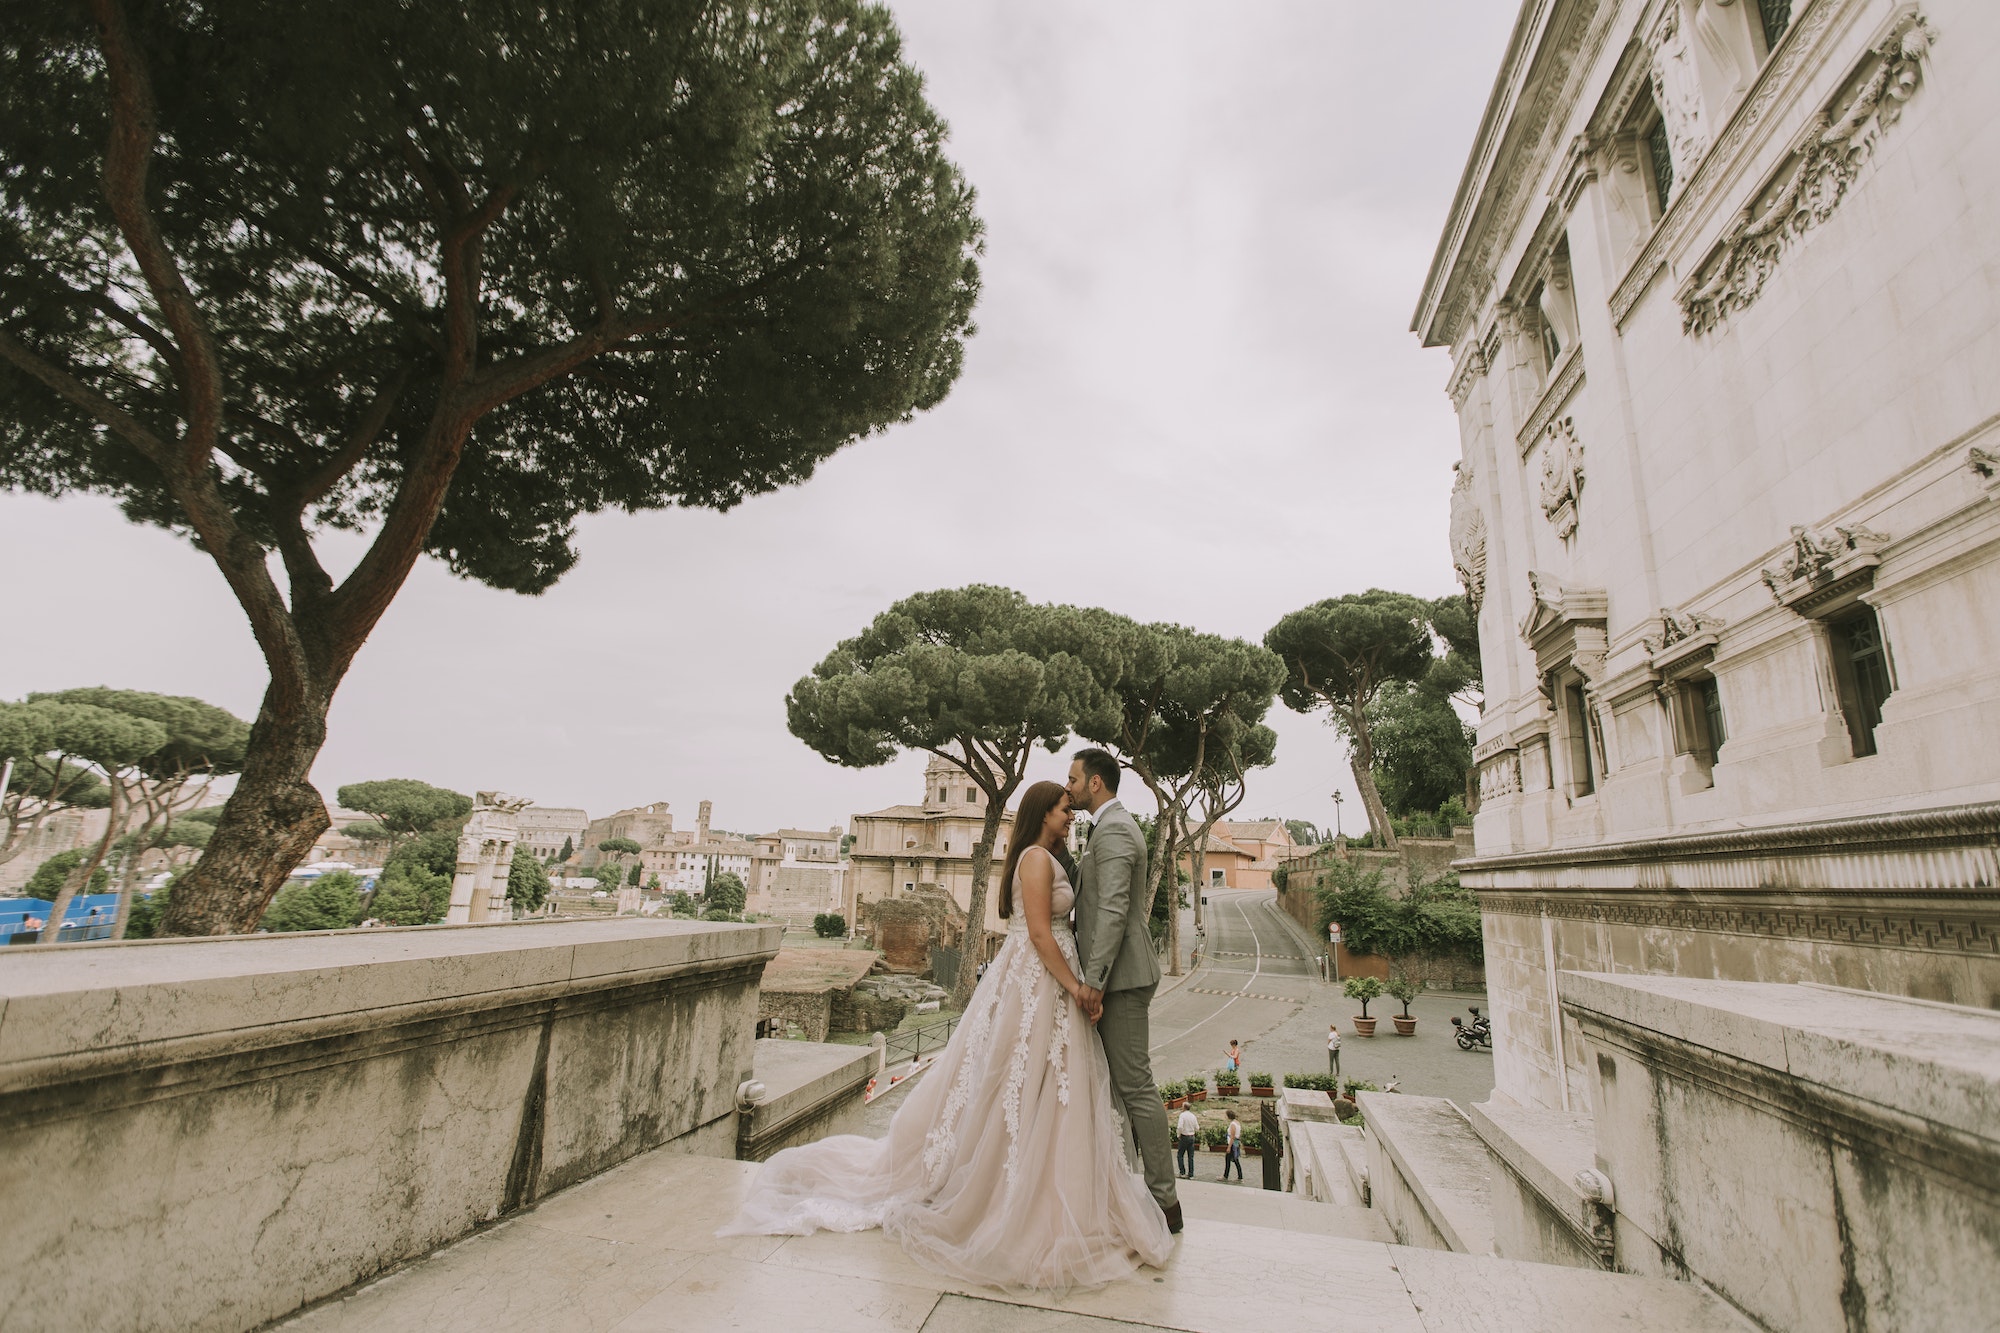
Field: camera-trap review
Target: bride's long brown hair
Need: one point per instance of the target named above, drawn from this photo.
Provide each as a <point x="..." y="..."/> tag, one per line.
<point x="1033" y="812"/>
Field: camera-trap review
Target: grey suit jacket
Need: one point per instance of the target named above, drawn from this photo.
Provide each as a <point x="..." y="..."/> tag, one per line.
<point x="1112" y="907"/>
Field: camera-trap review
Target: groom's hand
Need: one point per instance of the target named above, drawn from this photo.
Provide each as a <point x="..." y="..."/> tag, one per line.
<point x="1092" y="1000"/>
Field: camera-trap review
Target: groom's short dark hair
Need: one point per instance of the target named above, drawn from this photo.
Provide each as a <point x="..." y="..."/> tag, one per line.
<point x="1099" y="764"/>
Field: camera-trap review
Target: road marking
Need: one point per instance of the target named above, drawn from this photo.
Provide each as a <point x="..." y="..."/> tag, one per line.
<point x="1253" y="975"/>
<point x="1247" y="995"/>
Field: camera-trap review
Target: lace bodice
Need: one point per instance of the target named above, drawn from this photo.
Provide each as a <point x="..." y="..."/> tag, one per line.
<point x="1060" y="901"/>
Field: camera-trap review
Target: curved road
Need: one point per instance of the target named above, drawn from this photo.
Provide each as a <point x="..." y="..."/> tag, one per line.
<point x="1251" y="979"/>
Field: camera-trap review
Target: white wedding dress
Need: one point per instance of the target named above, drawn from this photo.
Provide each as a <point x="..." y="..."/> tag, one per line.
<point x="1007" y="1164"/>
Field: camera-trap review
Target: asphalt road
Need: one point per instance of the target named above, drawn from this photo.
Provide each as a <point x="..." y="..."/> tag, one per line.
<point x="1255" y="985"/>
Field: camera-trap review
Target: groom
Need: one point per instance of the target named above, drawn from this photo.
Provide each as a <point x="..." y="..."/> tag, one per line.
<point x="1119" y="970"/>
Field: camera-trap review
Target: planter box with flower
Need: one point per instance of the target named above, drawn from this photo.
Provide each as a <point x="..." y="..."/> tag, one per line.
<point x="1174" y="1095"/>
<point x="1228" y="1084"/>
<point x="1260" y="1086"/>
<point x="1196" y="1087"/>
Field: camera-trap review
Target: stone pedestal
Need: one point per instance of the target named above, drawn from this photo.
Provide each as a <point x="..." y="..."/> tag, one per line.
<point x="208" y="1134"/>
<point x="810" y="1090"/>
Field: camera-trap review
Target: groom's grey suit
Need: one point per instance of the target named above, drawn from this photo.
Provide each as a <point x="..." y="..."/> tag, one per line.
<point x="1116" y="949"/>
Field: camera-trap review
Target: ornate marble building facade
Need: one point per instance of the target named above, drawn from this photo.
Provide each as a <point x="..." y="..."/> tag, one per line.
<point x="1719" y="286"/>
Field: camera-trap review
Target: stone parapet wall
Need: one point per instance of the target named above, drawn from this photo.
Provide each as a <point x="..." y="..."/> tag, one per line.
<point x="208" y="1134"/>
<point x="1825" y="1158"/>
<point x="1897" y="903"/>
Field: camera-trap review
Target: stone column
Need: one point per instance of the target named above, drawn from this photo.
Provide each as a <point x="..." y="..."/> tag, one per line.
<point x="485" y="856"/>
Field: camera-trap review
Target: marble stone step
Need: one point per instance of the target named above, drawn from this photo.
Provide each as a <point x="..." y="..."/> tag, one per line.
<point x="1276" y="1211"/>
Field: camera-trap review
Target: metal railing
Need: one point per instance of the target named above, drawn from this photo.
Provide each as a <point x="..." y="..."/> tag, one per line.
<point x="911" y="1043"/>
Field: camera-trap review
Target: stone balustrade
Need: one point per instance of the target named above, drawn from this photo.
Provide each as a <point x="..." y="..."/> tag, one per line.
<point x="208" y="1134"/>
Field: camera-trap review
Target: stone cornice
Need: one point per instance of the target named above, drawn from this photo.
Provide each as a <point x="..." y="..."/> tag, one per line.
<point x="1803" y="46"/>
<point x="1944" y="827"/>
<point x="1568" y="379"/>
<point x="1553" y="48"/>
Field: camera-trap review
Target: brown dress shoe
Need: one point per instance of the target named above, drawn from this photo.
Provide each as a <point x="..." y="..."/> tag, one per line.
<point x="1173" y="1219"/>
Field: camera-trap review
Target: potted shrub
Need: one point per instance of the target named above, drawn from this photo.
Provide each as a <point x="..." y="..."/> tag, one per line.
<point x="1227" y="1084"/>
<point x="1253" y="1140"/>
<point x="1363" y="989"/>
<point x="1175" y="1095"/>
<point x="1260" y="1086"/>
<point x="1196" y="1086"/>
<point x="1405" y="990"/>
<point x="1215" y="1137"/>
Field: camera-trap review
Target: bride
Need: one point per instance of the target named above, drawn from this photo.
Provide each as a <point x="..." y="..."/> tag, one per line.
<point x="1007" y="1165"/>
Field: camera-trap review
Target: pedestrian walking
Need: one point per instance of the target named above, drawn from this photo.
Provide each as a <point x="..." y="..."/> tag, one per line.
<point x="1333" y="1053"/>
<point x="1235" y="1157"/>
<point x="1188" y="1126"/>
<point x="1233" y="1057"/>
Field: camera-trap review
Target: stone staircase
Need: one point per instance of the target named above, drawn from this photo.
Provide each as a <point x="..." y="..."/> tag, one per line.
<point x="635" y="1250"/>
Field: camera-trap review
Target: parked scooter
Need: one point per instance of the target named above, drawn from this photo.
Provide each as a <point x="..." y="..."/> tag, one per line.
<point x="1480" y="1033"/>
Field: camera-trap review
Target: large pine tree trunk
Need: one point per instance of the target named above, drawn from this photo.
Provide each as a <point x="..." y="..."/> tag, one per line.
<point x="268" y="825"/>
<point x="1361" y="760"/>
<point x="972" y="950"/>
<point x="78" y="879"/>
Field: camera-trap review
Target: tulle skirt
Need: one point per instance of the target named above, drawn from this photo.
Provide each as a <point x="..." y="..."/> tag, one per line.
<point x="1006" y="1165"/>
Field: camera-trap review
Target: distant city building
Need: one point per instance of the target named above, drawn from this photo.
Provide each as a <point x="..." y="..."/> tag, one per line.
<point x="796" y="874"/>
<point x="651" y="826"/>
<point x="898" y="849"/>
<point x="1242" y="853"/>
<point x="543" y="829"/>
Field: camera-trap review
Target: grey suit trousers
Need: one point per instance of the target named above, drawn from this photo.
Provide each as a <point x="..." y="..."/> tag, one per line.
<point x="1127" y="1033"/>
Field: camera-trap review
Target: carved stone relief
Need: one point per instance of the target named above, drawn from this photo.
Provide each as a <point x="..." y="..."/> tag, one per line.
<point x="1817" y="560"/>
<point x="1830" y="154"/>
<point x="1468" y="536"/>
<point x="1677" y="91"/>
<point x="1985" y="465"/>
<point x="1562" y="475"/>
<point x="1676" y="628"/>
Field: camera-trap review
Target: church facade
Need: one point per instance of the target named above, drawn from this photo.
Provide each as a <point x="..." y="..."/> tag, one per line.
<point x="904" y="847"/>
<point x="1719" y="286"/>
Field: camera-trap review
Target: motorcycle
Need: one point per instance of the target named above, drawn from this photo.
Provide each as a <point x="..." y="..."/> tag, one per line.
<point x="1480" y="1033"/>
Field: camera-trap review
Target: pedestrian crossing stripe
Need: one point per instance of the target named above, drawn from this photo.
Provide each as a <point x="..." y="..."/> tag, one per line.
<point x="1247" y="995"/>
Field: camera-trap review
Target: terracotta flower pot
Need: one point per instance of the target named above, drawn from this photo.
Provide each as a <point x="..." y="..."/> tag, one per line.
<point x="1364" y="1027"/>
<point x="1405" y="1027"/>
<point x="1177" y="1103"/>
<point x="1263" y="1092"/>
<point x="1200" y="1096"/>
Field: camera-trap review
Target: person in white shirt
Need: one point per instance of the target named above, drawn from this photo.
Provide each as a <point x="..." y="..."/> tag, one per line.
<point x="1188" y="1127"/>
<point x="1333" y="1054"/>
<point x="1235" y="1157"/>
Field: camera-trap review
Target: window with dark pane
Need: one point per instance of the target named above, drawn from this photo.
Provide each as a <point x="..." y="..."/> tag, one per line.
<point x="1777" y="15"/>
<point x="1708" y="696"/>
<point x="1663" y="162"/>
<point x="1581" y="780"/>
<point x="1861" y="667"/>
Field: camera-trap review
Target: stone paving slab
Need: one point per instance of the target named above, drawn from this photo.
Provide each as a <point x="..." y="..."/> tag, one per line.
<point x="634" y="1251"/>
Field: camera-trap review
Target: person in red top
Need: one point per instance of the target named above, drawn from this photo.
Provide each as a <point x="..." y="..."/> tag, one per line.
<point x="1233" y="1057"/>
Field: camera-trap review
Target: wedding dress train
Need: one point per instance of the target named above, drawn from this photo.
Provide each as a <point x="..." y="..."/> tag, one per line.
<point x="1006" y="1164"/>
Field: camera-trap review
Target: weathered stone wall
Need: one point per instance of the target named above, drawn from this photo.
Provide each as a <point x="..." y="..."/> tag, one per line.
<point x="810" y="1011"/>
<point x="905" y="927"/>
<point x="1825" y="1158"/>
<point x="207" y="1134"/>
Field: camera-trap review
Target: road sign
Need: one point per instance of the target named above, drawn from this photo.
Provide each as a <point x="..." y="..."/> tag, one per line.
<point x="1333" y="932"/>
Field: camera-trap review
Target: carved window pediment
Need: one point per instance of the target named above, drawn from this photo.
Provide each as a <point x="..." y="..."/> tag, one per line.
<point x="1821" y="573"/>
<point x="1685" y="644"/>
<point x="1566" y="627"/>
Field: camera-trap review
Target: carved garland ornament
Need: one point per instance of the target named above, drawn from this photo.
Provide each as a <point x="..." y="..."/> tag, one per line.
<point x="1468" y="536"/>
<point x="1829" y="156"/>
<point x="1562" y="475"/>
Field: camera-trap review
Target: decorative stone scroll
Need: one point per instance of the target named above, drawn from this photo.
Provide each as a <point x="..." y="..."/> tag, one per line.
<point x="1821" y="569"/>
<point x="1468" y="536"/>
<point x="1562" y="475"/>
<point x="1677" y="91"/>
<point x="1825" y="162"/>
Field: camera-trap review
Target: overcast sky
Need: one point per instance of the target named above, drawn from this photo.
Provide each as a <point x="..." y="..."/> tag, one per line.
<point x="1206" y="229"/>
